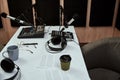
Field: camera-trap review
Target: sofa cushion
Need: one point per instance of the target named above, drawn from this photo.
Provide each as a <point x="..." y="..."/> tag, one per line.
<point x="103" y="74"/>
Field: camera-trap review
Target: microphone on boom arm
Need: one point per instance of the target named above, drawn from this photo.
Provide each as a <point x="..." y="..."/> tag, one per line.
<point x="67" y="35"/>
<point x="28" y="32"/>
<point x="75" y="16"/>
<point x="4" y="15"/>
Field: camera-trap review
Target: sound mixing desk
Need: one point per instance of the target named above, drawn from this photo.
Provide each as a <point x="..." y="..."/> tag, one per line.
<point x="32" y="33"/>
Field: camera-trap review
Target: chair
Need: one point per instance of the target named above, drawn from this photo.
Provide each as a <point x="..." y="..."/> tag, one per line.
<point x="102" y="59"/>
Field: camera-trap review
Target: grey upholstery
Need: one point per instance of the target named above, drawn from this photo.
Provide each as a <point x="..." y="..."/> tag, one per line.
<point x="102" y="59"/>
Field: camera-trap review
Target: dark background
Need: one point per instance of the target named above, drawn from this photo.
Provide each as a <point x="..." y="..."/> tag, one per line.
<point x="21" y="9"/>
<point x="102" y="12"/>
<point x="72" y="7"/>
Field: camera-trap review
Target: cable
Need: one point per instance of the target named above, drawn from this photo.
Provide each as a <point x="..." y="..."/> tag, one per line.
<point x="20" y="45"/>
<point x="47" y="30"/>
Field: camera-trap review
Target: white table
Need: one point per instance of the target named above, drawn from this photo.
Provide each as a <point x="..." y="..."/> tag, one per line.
<point x="42" y="65"/>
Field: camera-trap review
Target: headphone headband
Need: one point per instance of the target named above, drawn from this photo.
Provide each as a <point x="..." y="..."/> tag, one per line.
<point x="63" y="44"/>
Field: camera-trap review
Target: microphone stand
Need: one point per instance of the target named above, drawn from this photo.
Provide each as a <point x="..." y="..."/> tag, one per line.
<point x="34" y="32"/>
<point x="61" y="15"/>
<point x="61" y="11"/>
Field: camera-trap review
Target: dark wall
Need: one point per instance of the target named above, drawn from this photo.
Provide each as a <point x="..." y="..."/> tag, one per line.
<point x="21" y="9"/>
<point x="79" y="7"/>
<point x="48" y="11"/>
<point x="102" y="12"/>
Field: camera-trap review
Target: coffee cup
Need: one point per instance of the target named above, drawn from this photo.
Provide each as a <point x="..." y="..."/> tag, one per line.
<point x="13" y="52"/>
<point x="65" y="61"/>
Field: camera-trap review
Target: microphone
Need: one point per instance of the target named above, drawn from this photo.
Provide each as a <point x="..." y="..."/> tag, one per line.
<point x="75" y="16"/>
<point x="4" y="15"/>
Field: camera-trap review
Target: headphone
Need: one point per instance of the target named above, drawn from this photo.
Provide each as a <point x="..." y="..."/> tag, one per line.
<point x="57" y="40"/>
<point x="8" y="66"/>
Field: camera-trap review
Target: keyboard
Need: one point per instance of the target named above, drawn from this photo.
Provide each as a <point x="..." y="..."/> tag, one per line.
<point x="67" y="35"/>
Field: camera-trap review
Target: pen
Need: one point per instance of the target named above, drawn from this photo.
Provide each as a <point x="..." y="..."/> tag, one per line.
<point x="30" y="44"/>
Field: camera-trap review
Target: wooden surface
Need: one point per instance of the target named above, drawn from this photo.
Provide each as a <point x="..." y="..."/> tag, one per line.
<point x="90" y="34"/>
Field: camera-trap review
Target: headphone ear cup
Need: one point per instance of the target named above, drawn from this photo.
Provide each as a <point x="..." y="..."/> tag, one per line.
<point x="56" y="40"/>
<point x="7" y="65"/>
